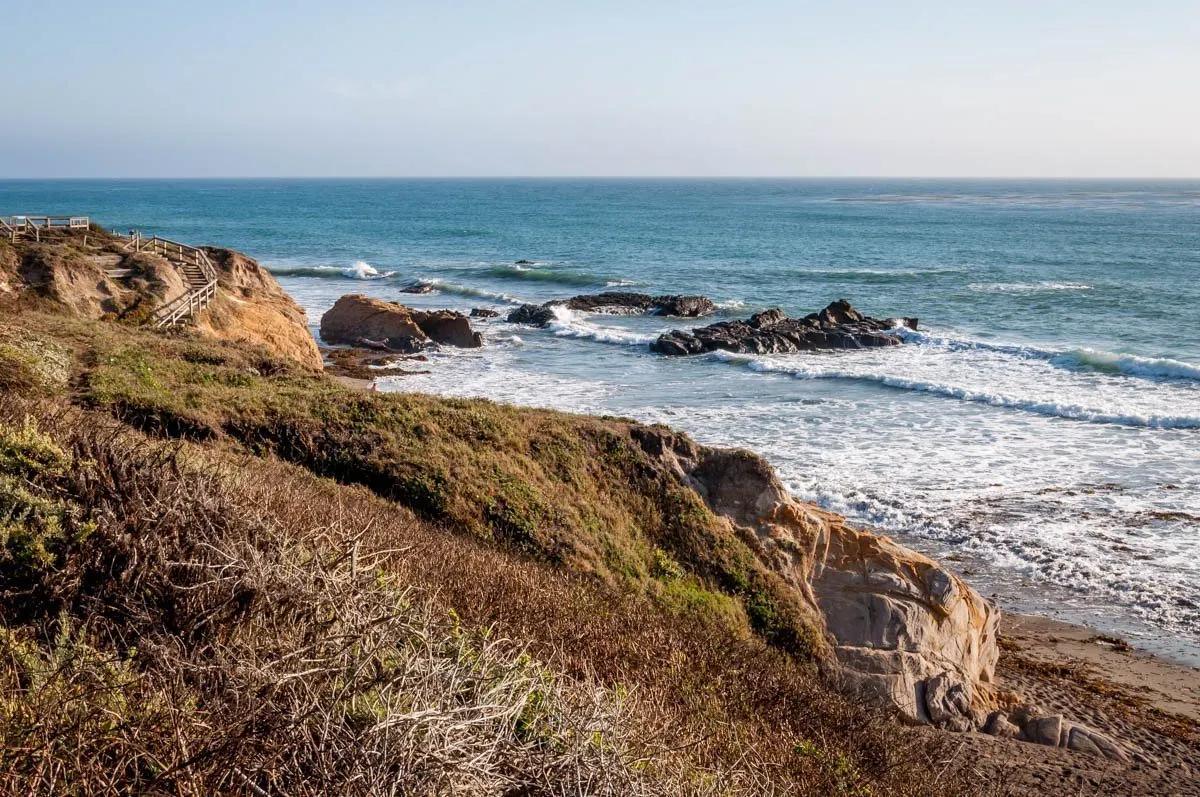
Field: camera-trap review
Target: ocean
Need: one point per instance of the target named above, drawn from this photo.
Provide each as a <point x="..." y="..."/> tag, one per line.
<point x="1040" y="434"/>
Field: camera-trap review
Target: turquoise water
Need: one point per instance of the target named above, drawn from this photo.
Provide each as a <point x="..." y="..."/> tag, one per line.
<point x="1041" y="433"/>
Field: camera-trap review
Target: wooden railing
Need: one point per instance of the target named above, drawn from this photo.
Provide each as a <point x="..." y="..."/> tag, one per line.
<point x="184" y="308"/>
<point x="13" y="226"/>
<point x="198" y="271"/>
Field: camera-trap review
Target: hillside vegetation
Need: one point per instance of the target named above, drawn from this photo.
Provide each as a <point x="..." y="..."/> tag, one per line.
<point x="225" y="573"/>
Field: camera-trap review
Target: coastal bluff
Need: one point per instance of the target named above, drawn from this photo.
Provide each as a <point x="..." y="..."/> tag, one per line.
<point x="91" y="273"/>
<point x="602" y="547"/>
<point x="902" y="629"/>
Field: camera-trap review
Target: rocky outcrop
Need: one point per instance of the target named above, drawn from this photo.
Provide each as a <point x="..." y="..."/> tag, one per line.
<point x="1054" y="731"/>
<point x="91" y="274"/>
<point x="448" y="328"/>
<point x="838" y="326"/>
<point x="483" y="312"/>
<point x="629" y="303"/>
<point x="94" y="281"/>
<point x="905" y="631"/>
<point x="250" y="306"/>
<point x="681" y="306"/>
<point x="616" y="303"/>
<point x="532" y="315"/>
<point x="358" y="319"/>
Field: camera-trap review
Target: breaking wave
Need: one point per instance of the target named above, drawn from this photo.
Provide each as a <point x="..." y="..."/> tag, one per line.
<point x="467" y="290"/>
<point x="1127" y="364"/>
<point x="533" y="274"/>
<point x="361" y="270"/>
<point x="568" y="324"/>
<point x="1078" y="359"/>
<point x="1076" y="412"/>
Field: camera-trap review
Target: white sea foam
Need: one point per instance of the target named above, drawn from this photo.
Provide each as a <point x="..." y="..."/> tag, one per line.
<point x="1077" y="412"/>
<point x="1154" y="368"/>
<point x="1128" y="364"/>
<point x="362" y="270"/>
<point x="1027" y="287"/>
<point x="569" y="324"/>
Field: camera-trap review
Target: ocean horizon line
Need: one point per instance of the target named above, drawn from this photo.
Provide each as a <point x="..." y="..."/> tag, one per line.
<point x="619" y="178"/>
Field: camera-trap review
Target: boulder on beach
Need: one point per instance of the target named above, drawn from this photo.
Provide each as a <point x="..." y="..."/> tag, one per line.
<point x="362" y="320"/>
<point x="838" y="326"/>
<point x="448" y="328"/>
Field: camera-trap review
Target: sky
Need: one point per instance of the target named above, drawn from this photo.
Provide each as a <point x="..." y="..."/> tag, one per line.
<point x="453" y="88"/>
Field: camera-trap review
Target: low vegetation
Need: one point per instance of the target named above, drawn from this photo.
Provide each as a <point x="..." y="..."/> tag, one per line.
<point x="571" y="490"/>
<point x="223" y="574"/>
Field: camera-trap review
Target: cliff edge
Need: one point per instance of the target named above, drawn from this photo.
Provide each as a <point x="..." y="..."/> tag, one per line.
<point x="91" y="274"/>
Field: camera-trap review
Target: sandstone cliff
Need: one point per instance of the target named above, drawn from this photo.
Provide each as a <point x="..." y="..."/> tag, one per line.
<point x="250" y="306"/>
<point x="98" y="280"/>
<point x="903" y="629"/>
<point x="91" y="275"/>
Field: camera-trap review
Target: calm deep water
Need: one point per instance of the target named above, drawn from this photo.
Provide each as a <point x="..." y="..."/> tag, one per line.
<point x="1041" y="434"/>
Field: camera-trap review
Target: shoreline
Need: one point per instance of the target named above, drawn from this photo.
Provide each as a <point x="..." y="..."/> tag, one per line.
<point x="1166" y="684"/>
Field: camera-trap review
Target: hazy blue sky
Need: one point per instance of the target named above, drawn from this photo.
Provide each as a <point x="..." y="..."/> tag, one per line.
<point x="467" y="87"/>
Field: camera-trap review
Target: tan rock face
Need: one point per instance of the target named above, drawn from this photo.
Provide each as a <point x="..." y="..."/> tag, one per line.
<point x="81" y="282"/>
<point x="356" y="318"/>
<point x="916" y="631"/>
<point x="250" y="306"/>
<point x="904" y="630"/>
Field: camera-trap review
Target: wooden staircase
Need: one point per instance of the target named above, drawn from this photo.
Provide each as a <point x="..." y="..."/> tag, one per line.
<point x="197" y="271"/>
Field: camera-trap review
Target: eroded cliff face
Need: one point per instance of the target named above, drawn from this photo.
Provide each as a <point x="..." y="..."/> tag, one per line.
<point x="95" y="281"/>
<point x="250" y="306"/>
<point x="903" y="629"/>
<point x="100" y="280"/>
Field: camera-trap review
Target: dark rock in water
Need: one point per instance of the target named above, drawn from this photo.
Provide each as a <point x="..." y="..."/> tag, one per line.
<point x="616" y="303"/>
<point x="620" y="302"/>
<point x="524" y="263"/>
<point x="684" y="306"/>
<point x="483" y="312"/>
<point x="838" y="326"/>
<point x="532" y="314"/>
<point x="628" y="302"/>
<point x="419" y="287"/>
<point x="448" y="328"/>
